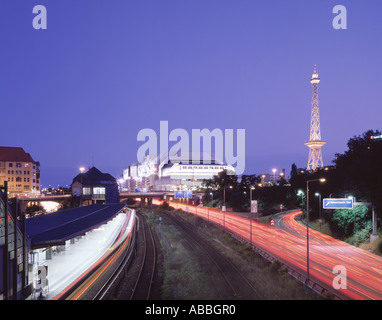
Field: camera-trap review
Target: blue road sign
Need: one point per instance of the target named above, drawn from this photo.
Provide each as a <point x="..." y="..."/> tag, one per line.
<point x="183" y="194"/>
<point x="342" y="203"/>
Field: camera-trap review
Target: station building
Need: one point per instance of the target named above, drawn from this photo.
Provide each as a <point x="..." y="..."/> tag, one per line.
<point x="94" y="186"/>
<point x="59" y="245"/>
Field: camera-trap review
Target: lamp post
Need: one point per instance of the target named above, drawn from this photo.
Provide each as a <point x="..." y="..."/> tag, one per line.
<point x="250" y="211"/>
<point x="307" y="224"/>
<point x="82" y="169"/>
<point x="224" y="203"/>
<point x="320" y="205"/>
<point x="274" y="175"/>
<point x="301" y="193"/>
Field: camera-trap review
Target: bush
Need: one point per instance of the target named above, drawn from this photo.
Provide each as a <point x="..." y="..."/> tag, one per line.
<point x="362" y="235"/>
<point x="379" y="246"/>
<point x="165" y="206"/>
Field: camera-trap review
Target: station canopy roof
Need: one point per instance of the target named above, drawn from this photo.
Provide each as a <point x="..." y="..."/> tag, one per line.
<point x="57" y="227"/>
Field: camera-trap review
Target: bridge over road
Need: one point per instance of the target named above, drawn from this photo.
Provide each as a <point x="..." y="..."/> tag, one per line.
<point x="146" y="196"/>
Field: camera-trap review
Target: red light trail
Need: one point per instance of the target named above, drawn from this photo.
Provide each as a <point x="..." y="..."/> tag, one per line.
<point x="363" y="269"/>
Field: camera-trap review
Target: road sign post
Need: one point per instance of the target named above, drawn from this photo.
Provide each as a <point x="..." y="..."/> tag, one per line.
<point x="347" y="203"/>
<point x="253" y="210"/>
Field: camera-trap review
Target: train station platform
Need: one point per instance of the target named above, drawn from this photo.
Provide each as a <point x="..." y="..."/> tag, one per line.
<point x="64" y="244"/>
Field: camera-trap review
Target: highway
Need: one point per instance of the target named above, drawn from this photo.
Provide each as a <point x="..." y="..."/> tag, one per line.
<point x="286" y="241"/>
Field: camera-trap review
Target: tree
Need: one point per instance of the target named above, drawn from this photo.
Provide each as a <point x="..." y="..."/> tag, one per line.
<point x="248" y="181"/>
<point x="218" y="182"/>
<point x="358" y="170"/>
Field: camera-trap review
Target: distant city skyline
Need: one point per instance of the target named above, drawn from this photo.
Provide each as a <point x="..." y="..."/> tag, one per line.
<point x="77" y="94"/>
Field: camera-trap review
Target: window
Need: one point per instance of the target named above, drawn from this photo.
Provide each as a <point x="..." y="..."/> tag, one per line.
<point x="98" y="190"/>
<point x="10" y="165"/>
<point x="18" y="179"/>
<point x="18" y="165"/>
<point x="86" y="191"/>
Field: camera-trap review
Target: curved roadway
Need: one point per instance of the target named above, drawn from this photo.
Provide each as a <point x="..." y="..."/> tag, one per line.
<point x="286" y="241"/>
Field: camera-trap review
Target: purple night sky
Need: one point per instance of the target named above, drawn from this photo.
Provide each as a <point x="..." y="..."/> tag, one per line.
<point x="79" y="92"/>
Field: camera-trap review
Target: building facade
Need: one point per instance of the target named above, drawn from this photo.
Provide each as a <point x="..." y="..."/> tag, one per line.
<point x="13" y="252"/>
<point x="20" y="170"/>
<point x="95" y="186"/>
<point x="169" y="173"/>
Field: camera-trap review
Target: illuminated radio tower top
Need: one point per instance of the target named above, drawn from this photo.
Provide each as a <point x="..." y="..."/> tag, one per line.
<point x="315" y="143"/>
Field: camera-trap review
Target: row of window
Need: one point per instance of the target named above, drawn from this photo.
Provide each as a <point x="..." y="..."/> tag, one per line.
<point x="19" y="187"/>
<point x="96" y="190"/>
<point x="204" y="167"/>
<point x="20" y="165"/>
<point x="18" y="179"/>
<point x="18" y="172"/>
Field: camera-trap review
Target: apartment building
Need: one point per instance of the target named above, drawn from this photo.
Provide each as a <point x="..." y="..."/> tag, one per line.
<point x="20" y="170"/>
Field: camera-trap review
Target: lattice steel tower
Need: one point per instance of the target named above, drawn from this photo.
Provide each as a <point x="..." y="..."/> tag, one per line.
<point x="315" y="143"/>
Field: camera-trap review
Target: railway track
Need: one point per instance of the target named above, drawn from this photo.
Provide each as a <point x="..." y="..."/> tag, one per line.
<point x="100" y="294"/>
<point x="144" y="282"/>
<point x="229" y="281"/>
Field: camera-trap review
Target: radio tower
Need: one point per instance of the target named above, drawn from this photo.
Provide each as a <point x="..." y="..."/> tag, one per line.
<point x="315" y="144"/>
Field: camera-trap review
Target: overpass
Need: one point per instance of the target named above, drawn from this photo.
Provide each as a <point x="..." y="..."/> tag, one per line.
<point x="24" y="201"/>
<point x="146" y="196"/>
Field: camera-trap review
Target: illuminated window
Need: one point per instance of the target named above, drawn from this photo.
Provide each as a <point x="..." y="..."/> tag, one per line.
<point x="98" y="190"/>
<point x="87" y="191"/>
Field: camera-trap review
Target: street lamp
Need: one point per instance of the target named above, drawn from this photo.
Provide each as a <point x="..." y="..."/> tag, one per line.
<point x="301" y="194"/>
<point x="82" y="169"/>
<point x="320" y="205"/>
<point x="307" y="224"/>
<point x="250" y="211"/>
<point x="224" y="194"/>
<point x="224" y="203"/>
<point x="274" y="175"/>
